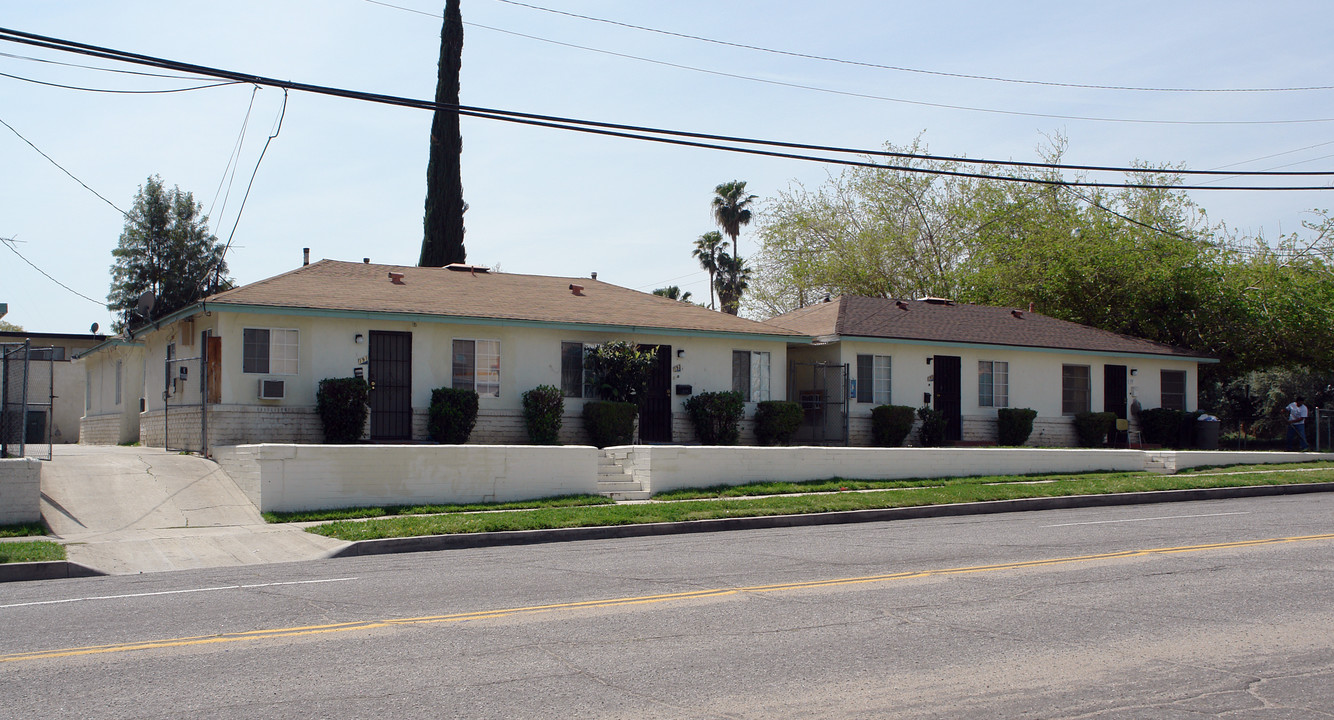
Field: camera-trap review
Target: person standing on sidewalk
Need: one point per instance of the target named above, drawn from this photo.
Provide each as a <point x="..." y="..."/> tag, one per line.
<point x="1297" y="413"/>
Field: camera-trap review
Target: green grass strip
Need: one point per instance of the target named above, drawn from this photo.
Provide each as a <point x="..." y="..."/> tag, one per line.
<point x="374" y="512"/>
<point x="971" y="490"/>
<point x="31" y="551"/>
<point x="22" y="530"/>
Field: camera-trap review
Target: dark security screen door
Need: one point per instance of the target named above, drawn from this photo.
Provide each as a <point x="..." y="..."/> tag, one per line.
<point x="655" y="408"/>
<point x="1114" y="390"/>
<point x="391" y="385"/>
<point x="949" y="396"/>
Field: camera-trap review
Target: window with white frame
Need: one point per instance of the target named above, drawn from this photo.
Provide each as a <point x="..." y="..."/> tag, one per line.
<point x="873" y="379"/>
<point x="1076" y="392"/>
<point x="750" y="375"/>
<point x="993" y="383"/>
<point x="1174" y="389"/>
<point x="575" y="379"/>
<point x="477" y="366"/>
<point x="269" y="351"/>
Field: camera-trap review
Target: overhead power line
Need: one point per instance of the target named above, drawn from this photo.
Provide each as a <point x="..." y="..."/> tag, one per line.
<point x="660" y="135"/>
<point x="62" y="168"/>
<point x="116" y="92"/>
<point x="899" y="68"/>
<point x="861" y="95"/>
<point x="9" y="243"/>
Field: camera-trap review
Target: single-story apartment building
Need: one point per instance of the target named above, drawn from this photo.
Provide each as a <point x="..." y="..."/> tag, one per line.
<point x="968" y="360"/>
<point x="255" y="354"/>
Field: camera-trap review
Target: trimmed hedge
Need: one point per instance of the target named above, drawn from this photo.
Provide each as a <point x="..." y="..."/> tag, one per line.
<point x="543" y="409"/>
<point x="776" y="421"/>
<point x="1169" y="428"/>
<point x="610" y="423"/>
<point x="890" y="424"/>
<point x="1014" y="425"/>
<point x="341" y="403"/>
<point x="1092" y="428"/>
<point x="932" y="431"/>
<point x="716" y="416"/>
<point x="452" y="415"/>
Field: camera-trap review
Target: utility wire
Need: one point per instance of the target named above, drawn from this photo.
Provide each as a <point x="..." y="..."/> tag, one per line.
<point x="116" y="92"/>
<point x="897" y="68"/>
<point x="62" y="168"/>
<point x="233" y="160"/>
<point x="866" y="96"/>
<point x="9" y="243"/>
<point x="101" y="69"/>
<point x="217" y="270"/>
<point x="647" y="133"/>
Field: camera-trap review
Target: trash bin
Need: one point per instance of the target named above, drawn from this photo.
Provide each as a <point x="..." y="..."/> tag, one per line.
<point x="1206" y="432"/>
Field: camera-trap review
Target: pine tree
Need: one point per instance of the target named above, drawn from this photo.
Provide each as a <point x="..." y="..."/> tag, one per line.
<point x="442" y="243"/>
<point x="167" y="249"/>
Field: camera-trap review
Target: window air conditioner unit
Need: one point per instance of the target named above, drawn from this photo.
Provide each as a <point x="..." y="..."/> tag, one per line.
<point x="272" y="389"/>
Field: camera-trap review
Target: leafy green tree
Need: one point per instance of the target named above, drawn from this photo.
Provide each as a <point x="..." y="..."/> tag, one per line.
<point x="672" y="292"/>
<point x="707" y="248"/>
<point x="443" y="240"/>
<point x="166" y="248"/>
<point x="731" y="210"/>
<point x="732" y="282"/>
<point x="10" y="327"/>
<point x="620" y="370"/>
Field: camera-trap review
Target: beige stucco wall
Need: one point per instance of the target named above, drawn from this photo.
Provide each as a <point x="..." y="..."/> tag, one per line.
<point x="1034" y="382"/>
<point x="106" y="421"/>
<point x="530" y="356"/>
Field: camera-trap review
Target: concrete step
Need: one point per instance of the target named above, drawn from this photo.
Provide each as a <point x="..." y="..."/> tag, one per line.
<point x="605" y="487"/>
<point x="629" y="495"/>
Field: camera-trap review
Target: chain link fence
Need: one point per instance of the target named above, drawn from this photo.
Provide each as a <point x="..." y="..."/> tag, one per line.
<point x="27" y="383"/>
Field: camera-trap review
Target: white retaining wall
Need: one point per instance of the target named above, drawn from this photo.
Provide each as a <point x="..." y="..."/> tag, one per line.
<point x="20" y="491"/>
<point x="309" y="477"/>
<point x="663" y="468"/>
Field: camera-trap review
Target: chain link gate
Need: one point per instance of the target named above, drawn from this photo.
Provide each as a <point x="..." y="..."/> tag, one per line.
<point x="822" y="391"/>
<point x="184" y="410"/>
<point x="27" y="384"/>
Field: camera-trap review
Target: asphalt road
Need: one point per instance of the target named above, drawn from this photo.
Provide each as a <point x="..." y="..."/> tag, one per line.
<point x="1184" y="610"/>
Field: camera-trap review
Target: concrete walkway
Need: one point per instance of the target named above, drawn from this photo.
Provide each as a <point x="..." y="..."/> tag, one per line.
<point x="125" y="510"/>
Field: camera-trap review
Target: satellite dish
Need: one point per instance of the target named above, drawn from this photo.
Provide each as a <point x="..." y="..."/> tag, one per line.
<point x="93" y="329"/>
<point x="144" y="304"/>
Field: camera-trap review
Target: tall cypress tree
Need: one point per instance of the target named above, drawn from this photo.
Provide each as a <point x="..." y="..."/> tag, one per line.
<point x="442" y="243"/>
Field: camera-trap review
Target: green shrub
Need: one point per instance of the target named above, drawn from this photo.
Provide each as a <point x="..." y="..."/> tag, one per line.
<point x="341" y="403"/>
<point x="932" y="431"/>
<point x="452" y="415"/>
<point x="776" y="421"/>
<point x="1091" y="428"/>
<point x="543" y="408"/>
<point x="620" y="370"/>
<point x="610" y="423"/>
<point x="890" y="424"/>
<point x="1161" y="426"/>
<point x="1014" y="425"/>
<point x="716" y="416"/>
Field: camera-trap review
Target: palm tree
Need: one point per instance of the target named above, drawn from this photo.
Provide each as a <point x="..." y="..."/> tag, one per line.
<point x="733" y="281"/>
<point x="672" y="292"/>
<point x="731" y="209"/>
<point x="707" y="248"/>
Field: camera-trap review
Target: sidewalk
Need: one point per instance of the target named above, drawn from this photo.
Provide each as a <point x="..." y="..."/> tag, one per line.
<point x="125" y="510"/>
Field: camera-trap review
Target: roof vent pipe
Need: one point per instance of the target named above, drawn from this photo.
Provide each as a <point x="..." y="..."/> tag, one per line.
<point x="901" y="305"/>
<point x="305" y="257"/>
<point x="1030" y="307"/>
<point x="1018" y="314"/>
<point x="576" y="289"/>
<point x="366" y="261"/>
<point x="396" y="278"/>
<point x="595" y="274"/>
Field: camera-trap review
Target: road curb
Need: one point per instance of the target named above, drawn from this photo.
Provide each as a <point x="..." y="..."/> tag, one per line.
<point x="430" y="543"/>
<point x="45" y="570"/>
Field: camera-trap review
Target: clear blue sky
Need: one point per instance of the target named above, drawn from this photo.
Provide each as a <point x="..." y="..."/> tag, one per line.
<point x="347" y="179"/>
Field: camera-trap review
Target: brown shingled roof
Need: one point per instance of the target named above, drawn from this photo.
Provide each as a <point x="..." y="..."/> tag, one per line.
<point x="853" y="316"/>
<point x="362" y="287"/>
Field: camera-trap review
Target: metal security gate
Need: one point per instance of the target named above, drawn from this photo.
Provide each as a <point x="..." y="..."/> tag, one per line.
<point x="184" y="410"/>
<point x="822" y="390"/>
<point x="26" y="399"/>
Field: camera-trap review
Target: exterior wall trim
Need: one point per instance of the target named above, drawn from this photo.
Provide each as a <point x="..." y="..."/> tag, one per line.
<point x="1027" y="348"/>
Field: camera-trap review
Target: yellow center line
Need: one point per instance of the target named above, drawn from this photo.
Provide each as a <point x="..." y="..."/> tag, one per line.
<point x="305" y="630"/>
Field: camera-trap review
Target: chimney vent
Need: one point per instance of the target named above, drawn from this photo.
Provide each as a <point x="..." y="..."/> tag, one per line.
<point x="595" y="274"/>
<point x="396" y="278"/>
<point x="577" y="289"/>
<point x="1018" y="314"/>
<point x="305" y="256"/>
<point x="1030" y="307"/>
<point x="366" y="260"/>
<point x="902" y="305"/>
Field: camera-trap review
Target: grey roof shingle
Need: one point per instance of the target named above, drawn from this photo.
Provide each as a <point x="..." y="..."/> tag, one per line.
<point x="361" y="287"/>
<point x="853" y="316"/>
